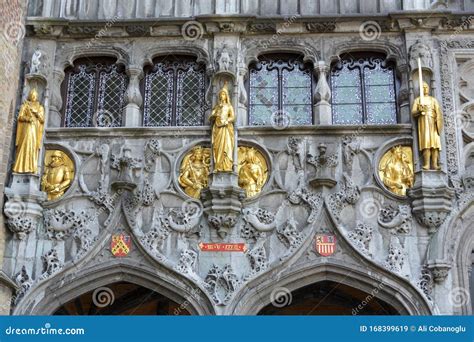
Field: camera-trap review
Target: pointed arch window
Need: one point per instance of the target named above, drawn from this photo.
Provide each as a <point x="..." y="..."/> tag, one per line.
<point x="174" y="93"/>
<point x="363" y="90"/>
<point x="94" y="93"/>
<point x="280" y="86"/>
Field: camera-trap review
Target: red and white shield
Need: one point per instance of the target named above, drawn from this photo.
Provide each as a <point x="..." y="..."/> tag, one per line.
<point x="326" y="244"/>
<point x="120" y="245"/>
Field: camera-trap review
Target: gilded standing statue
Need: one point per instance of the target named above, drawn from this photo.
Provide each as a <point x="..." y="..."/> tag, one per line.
<point x="29" y="133"/>
<point x="223" y="119"/>
<point x="427" y="111"/>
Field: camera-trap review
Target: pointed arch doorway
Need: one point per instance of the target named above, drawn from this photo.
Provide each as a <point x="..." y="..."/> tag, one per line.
<point x="121" y="298"/>
<point x="327" y="298"/>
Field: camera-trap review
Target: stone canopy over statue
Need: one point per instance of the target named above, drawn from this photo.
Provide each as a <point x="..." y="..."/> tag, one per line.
<point x="427" y="111"/>
<point x="29" y="133"/>
<point x="223" y="141"/>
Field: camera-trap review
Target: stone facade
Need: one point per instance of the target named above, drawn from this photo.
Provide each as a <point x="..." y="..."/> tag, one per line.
<point x="12" y="16"/>
<point x="418" y="246"/>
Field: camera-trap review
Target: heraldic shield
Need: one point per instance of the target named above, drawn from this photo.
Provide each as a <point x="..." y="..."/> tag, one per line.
<point x="120" y="245"/>
<point x="326" y="244"/>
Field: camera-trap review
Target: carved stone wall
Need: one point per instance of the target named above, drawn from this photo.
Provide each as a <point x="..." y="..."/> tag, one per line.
<point x="12" y="16"/>
<point x="322" y="179"/>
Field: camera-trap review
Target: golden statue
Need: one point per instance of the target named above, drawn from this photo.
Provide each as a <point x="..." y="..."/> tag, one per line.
<point x="430" y="122"/>
<point x="253" y="171"/>
<point x="223" y="119"/>
<point x="29" y="133"/>
<point x="396" y="169"/>
<point x="194" y="171"/>
<point x="58" y="174"/>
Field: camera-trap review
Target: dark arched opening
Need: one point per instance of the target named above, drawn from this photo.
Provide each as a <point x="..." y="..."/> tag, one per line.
<point x="122" y="298"/>
<point x="328" y="298"/>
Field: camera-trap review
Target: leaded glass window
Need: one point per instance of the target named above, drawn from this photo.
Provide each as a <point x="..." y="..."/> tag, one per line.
<point x="363" y="91"/>
<point x="280" y="86"/>
<point x="94" y="94"/>
<point x="174" y="94"/>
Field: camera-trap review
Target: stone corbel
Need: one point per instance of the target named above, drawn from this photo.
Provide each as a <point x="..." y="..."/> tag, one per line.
<point x="133" y="97"/>
<point x="439" y="269"/>
<point x="431" y="199"/>
<point x="23" y="208"/>
<point x="222" y="202"/>
<point x="322" y="96"/>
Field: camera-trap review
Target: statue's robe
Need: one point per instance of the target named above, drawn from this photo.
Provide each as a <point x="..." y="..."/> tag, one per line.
<point x="429" y="124"/>
<point x="29" y="134"/>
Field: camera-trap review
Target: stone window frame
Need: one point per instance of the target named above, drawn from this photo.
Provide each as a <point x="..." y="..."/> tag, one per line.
<point x="176" y="63"/>
<point x="96" y="116"/>
<point x="272" y="57"/>
<point x="361" y="60"/>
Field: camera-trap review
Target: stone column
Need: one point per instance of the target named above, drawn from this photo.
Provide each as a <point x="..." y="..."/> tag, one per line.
<point x="56" y="100"/>
<point x="404" y="95"/>
<point x="133" y="96"/>
<point x="242" y="111"/>
<point x="321" y="97"/>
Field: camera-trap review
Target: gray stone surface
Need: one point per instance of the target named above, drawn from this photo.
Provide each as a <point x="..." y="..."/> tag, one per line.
<point x="379" y="239"/>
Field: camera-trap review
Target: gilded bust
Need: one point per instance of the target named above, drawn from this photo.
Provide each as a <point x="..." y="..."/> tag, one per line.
<point x="396" y="169"/>
<point x="194" y="171"/>
<point x="253" y="171"/>
<point x="58" y="174"/>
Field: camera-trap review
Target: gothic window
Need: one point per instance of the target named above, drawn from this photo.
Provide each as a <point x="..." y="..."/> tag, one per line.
<point x="363" y="91"/>
<point x="94" y="93"/>
<point x="174" y="93"/>
<point x="280" y="86"/>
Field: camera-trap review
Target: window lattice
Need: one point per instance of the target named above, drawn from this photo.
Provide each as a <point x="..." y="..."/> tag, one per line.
<point x="175" y="94"/>
<point x="95" y="96"/>
<point x="112" y="87"/>
<point x="363" y="91"/>
<point x="280" y="87"/>
<point x="80" y="98"/>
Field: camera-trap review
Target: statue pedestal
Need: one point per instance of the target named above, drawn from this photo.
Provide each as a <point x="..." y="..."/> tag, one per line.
<point x="431" y="198"/>
<point x="23" y="208"/>
<point x="324" y="177"/>
<point x="222" y="201"/>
